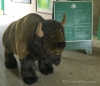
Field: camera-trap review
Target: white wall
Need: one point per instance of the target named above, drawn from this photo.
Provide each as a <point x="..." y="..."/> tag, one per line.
<point x="20" y="9"/>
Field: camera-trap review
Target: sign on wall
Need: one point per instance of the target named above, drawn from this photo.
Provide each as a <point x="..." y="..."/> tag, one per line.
<point x="79" y="25"/>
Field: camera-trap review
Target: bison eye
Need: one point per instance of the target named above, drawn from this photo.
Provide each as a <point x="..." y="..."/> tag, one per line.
<point x="52" y="35"/>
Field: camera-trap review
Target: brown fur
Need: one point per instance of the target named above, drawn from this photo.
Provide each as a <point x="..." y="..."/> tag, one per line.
<point x="16" y="36"/>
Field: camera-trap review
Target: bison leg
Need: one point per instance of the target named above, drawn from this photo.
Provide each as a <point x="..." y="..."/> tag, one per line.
<point x="10" y="61"/>
<point x="27" y="70"/>
<point x="45" y="66"/>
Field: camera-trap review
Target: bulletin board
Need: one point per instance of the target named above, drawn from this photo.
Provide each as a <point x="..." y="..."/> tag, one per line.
<point x="79" y="25"/>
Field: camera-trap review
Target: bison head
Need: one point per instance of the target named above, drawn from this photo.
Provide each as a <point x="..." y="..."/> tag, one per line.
<point x="52" y="32"/>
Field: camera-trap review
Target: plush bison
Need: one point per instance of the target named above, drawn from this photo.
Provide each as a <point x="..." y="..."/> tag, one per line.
<point x="34" y="38"/>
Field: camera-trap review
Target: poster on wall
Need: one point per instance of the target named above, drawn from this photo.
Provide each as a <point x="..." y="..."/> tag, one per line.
<point x="44" y="6"/>
<point x="22" y="1"/>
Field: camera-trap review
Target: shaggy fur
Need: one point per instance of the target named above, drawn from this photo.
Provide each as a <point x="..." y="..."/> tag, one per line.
<point x="34" y="38"/>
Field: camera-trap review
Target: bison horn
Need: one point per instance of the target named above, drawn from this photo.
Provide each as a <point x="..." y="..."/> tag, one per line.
<point x="39" y="31"/>
<point x="63" y="20"/>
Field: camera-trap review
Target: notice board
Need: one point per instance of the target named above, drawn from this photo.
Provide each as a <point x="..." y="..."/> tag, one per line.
<point x="78" y="28"/>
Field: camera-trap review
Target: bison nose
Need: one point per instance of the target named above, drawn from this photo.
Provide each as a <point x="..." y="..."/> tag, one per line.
<point x="61" y="45"/>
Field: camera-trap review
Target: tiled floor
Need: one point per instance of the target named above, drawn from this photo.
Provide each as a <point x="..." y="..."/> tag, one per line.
<point x="76" y="68"/>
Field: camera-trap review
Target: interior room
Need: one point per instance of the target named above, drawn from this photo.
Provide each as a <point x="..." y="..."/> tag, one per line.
<point x="80" y="58"/>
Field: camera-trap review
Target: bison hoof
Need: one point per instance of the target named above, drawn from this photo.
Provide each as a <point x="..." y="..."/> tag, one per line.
<point x="47" y="70"/>
<point x="30" y="80"/>
<point x="11" y="65"/>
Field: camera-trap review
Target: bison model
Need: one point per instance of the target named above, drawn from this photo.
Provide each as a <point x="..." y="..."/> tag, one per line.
<point x="34" y="38"/>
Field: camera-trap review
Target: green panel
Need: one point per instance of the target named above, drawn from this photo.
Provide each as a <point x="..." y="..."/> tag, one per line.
<point x="2" y="5"/>
<point x="79" y="19"/>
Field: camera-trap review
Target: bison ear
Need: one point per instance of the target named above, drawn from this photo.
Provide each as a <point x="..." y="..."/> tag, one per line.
<point x="63" y="20"/>
<point x="39" y="31"/>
